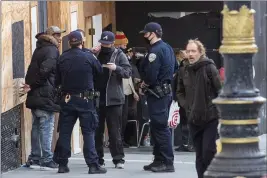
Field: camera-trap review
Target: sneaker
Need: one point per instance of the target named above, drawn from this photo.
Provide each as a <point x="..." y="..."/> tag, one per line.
<point x="32" y="164"/>
<point x="96" y="170"/>
<point x="102" y="165"/>
<point x="63" y="169"/>
<point x="153" y="164"/>
<point x="49" y="165"/>
<point x="119" y="165"/>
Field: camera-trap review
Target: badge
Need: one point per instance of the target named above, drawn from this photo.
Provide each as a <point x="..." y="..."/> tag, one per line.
<point x="152" y="57"/>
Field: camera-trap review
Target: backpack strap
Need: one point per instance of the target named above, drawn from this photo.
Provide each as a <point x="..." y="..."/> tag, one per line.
<point x="210" y="82"/>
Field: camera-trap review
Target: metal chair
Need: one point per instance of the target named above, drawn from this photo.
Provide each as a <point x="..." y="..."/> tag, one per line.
<point x="142" y="130"/>
<point x="145" y="117"/>
<point x="137" y="129"/>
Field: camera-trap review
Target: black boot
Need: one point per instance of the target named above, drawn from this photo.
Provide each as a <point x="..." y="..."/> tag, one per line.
<point x="163" y="168"/>
<point x="63" y="169"/>
<point x="96" y="169"/>
<point x="153" y="164"/>
<point x="181" y="148"/>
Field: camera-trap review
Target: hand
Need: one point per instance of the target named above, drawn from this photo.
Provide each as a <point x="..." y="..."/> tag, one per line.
<point x="143" y="85"/>
<point x="96" y="49"/>
<point x="111" y="66"/>
<point x="137" y="80"/>
<point x="136" y="97"/>
<point x="138" y="55"/>
<point x="140" y="91"/>
<point x="25" y="88"/>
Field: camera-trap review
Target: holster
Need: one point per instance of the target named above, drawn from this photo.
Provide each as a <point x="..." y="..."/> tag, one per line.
<point x="163" y="90"/>
<point x="97" y="99"/>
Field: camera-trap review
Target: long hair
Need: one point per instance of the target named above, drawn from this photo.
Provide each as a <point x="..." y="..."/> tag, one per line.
<point x="200" y="46"/>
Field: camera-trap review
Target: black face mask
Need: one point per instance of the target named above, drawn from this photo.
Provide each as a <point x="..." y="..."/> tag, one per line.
<point x="123" y="50"/>
<point x="106" y="49"/>
<point x="147" y="41"/>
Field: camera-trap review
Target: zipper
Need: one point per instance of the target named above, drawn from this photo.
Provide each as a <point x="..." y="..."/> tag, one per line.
<point x="107" y="88"/>
<point x="109" y="78"/>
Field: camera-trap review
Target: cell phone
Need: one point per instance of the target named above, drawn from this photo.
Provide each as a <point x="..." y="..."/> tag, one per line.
<point x="110" y="63"/>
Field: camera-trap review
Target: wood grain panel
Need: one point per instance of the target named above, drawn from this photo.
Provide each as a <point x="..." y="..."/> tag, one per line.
<point x="106" y="8"/>
<point x="26" y="127"/>
<point x="15" y="11"/>
<point x="89" y="38"/>
<point x="58" y="14"/>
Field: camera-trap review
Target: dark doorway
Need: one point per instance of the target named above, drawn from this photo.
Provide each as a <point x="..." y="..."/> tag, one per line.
<point x="180" y="21"/>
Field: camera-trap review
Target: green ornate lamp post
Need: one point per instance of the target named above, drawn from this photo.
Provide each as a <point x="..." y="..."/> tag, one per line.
<point x="239" y="101"/>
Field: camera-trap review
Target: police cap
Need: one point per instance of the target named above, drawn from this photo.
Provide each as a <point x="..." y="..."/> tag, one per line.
<point x="75" y="37"/>
<point x="152" y="27"/>
<point x="83" y="33"/>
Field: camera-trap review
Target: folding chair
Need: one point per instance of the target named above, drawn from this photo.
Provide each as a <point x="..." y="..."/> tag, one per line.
<point x="137" y="129"/>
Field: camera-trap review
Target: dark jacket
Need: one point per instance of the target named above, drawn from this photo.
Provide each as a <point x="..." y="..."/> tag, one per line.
<point x="114" y="88"/>
<point x="76" y="71"/>
<point x="198" y="84"/>
<point x="41" y="75"/>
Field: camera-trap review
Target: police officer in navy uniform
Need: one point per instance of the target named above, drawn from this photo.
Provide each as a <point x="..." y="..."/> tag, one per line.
<point x="159" y="66"/>
<point x="94" y="50"/>
<point x="76" y="70"/>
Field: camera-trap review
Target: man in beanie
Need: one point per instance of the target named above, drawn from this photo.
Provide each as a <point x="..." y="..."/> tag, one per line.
<point x="39" y="85"/>
<point x="76" y="71"/>
<point x="109" y="84"/>
<point x="121" y="41"/>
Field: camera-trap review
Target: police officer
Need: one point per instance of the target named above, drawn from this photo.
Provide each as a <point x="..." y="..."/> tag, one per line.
<point x="75" y="73"/>
<point x="159" y="66"/>
<point x="94" y="50"/>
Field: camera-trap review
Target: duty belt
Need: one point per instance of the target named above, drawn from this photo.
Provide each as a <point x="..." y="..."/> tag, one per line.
<point x="162" y="90"/>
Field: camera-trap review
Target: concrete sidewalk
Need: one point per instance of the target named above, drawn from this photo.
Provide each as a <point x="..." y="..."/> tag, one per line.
<point x="184" y="164"/>
<point x="135" y="159"/>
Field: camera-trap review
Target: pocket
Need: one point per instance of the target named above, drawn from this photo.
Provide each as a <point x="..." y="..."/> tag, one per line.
<point x="46" y="91"/>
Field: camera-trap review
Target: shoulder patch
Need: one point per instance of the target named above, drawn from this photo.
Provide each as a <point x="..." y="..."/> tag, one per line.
<point x="152" y="57"/>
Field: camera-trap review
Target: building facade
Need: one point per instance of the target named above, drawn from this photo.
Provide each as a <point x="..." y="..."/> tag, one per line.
<point x="20" y="22"/>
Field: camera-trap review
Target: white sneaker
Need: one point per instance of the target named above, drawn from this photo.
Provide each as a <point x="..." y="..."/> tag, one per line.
<point x="102" y="165"/>
<point x="119" y="166"/>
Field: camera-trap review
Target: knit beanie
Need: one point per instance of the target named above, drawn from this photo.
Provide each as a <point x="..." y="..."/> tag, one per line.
<point x="120" y="38"/>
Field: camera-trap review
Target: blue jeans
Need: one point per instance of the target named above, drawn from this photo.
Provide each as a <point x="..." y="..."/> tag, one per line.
<point x="41" y="135"/>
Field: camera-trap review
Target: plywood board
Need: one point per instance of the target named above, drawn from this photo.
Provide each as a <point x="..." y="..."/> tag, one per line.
<point x="12" y="77"/>
<point x="16" y="12"/>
